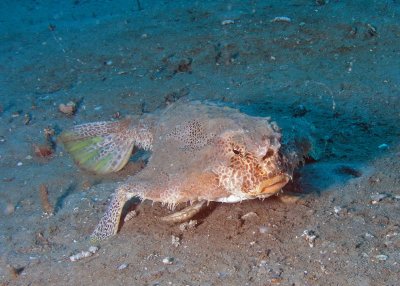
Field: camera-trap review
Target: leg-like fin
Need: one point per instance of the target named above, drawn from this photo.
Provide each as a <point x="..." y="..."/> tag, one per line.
<point x="108" y="225"/>
<point x="185" y="214"/>
<point x="100" y="147"/>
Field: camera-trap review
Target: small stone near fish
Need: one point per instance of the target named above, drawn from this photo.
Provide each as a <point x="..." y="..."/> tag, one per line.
<point x="80" y="255"/>
<point x="93" y="249"/>
<point x="43" y="151"/>
<point x="281" y="19"/>
<point x="175" y="240"/>
<point x="310" y="237"/>
<point x="377" y="198"/>
<point x="83" y="254"/>
<point x="337" y="209"/>
<point x="9" y="209"/>
<point x="227" y="22"/>
<point x="368" y="235"/>
<point x="68" y="109"/>
<point x="168" y="260"/>
<point x="27" y="118"/>
<point x="381" y="257"/>
<point x="383" y="146"/>
<point x="188" y="225"/>
<point x="123" y="266"/>
<point x="249" y="215"/>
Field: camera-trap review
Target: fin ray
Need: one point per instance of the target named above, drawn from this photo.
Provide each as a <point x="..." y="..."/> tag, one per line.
<point x="100" y="147"/>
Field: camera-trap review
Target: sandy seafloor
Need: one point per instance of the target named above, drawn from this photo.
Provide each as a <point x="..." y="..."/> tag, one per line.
<point x="335" y="66"/>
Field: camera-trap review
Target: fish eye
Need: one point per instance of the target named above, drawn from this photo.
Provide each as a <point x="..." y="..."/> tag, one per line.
<point x="269" y="154"/>
<point x="237" y="152"/>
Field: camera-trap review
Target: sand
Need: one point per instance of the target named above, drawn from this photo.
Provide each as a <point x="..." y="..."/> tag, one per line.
<point x="334" y="65"/>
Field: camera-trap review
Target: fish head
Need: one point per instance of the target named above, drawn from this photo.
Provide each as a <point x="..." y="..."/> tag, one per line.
<point x="253" y="165"/>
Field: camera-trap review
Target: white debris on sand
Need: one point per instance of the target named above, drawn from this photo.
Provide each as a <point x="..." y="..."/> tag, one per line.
<point x="281" y="19"/>
<point x="227" y="22"/>
<point x="175" y="240"/>
<point x="383" y="146"/>
<point x="381" y="257"/>
<point x="188" y="225"/>
<point x="377" y="198"/>
<point x="310" y="237"/>
<point x="123" y="266"/>
<point x="84" y="254"/>
<point x="249" y="215"/>
<point x="337" y="209"/>
<point x="168" y="260"/>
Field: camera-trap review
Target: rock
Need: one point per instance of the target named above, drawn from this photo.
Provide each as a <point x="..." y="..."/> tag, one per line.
<point x="377" y="198"/>
<point x="227" y="22"/>
<point x="310" y="237"/>
<point x="84" y="254"/>
<point x="249" y="215"/>
<point x="175" y="240"/>
<point x="188" y="225"/>
<point x="68" y="109"/>
<point x="168" y="260"/>
<point x="123" y="266"/>
<point x="282" y="19"/>
<point x="381" y="257"/>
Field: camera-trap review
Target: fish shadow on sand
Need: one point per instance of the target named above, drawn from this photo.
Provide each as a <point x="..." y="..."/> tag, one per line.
<point x="60" y="200"/>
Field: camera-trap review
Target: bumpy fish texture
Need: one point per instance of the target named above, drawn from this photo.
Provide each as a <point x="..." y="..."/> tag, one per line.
<point x="200" y="152"/>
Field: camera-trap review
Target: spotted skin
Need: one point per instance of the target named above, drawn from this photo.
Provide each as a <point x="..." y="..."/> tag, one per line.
<point x="200" y="152"/>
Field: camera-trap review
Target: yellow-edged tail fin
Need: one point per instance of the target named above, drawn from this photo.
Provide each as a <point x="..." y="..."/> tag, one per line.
<point x="101" y="147"/>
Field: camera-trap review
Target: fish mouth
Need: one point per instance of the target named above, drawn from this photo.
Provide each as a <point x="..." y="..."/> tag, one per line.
<point x="272" y="185"/>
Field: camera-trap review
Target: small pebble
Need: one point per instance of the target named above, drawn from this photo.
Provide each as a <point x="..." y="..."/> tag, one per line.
<point x="337" y="209"/>
<point x="310" y="237"/>
<point x="93" y="249"/>
<point x="123" y="266"/>
<point x="68" y="109"/>
<point x="188" y="225"/>
<point x="83" y="254"/>
<point x="175" y="240"/>
<point x="80" y="255"/>
<point x="368" y="235"/>
<point x="9" y="209"/>
<point x="249" y="215"/>
<point x="377" y="198"/>
<point x="289" y="198"/>
<point x="381" y="257"/>
<point x="282" y="19"/>
<point x="383" y="146"/>
<point x="168" y="260"/>
<point x="227" y="22"/>
<point x="263" y="229"/>
<point x="19" y="164"/>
